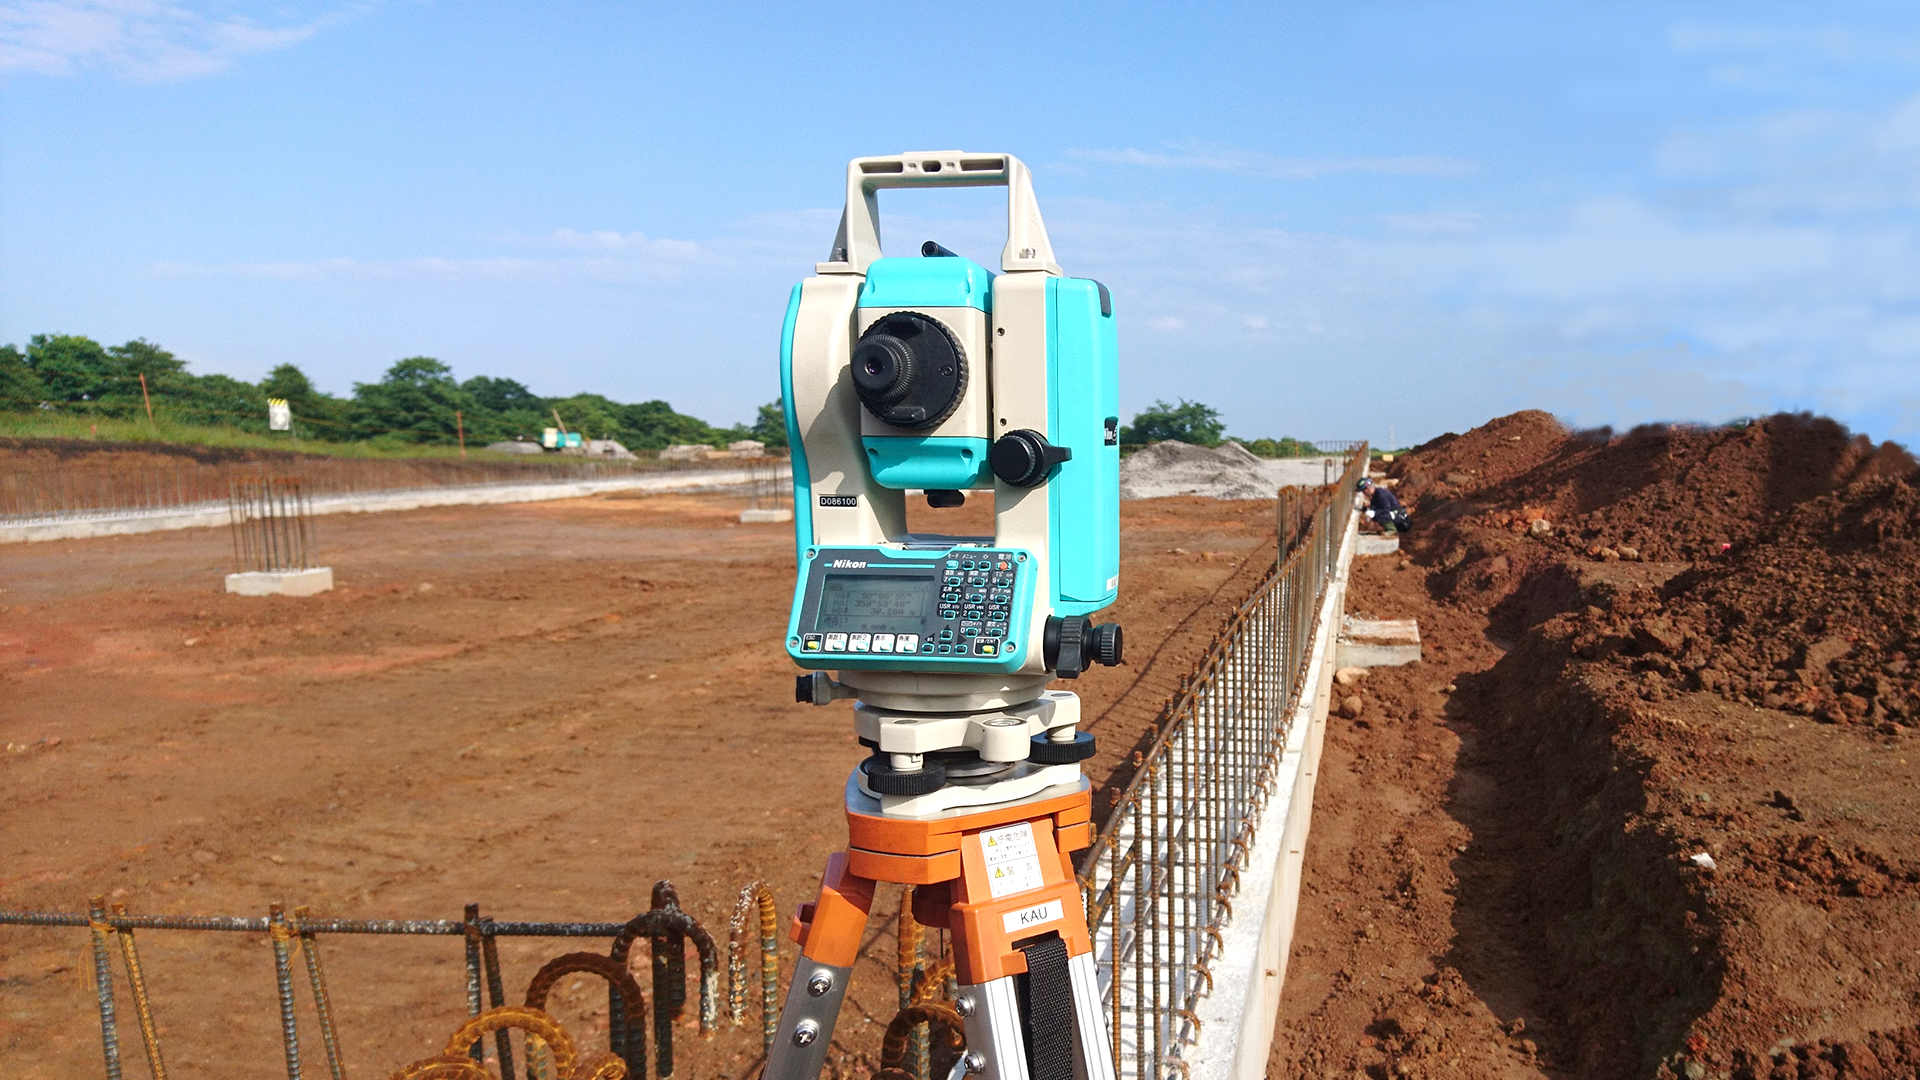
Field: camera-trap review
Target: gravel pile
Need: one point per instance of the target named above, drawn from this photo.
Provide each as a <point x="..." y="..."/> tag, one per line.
<point x="1227" y="471"/>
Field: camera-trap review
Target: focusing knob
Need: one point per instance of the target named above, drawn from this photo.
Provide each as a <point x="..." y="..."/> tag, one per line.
<point x="1023" y="458"/>
<point x="1107" y="643"/>
<point x="1064" y="644"/>
<point x="909" y="370"/>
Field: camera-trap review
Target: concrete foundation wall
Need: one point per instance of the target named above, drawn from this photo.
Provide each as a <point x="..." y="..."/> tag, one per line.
<point x="208" y="516"/>
<point x="1238" y="1018"/>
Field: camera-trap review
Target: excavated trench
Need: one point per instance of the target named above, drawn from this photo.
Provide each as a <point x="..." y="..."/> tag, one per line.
<point x="1648" y="806"/>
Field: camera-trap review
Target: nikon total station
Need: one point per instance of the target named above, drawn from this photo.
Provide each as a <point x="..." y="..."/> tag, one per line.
<point x="931" y="373"/>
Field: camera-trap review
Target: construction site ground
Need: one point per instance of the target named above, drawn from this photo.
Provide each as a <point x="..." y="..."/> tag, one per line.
<point x="1650" y="804"/>
<point x="543" y="708"/>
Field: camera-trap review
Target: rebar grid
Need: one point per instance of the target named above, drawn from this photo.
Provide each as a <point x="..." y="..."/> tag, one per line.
<point x="667" y="928"/>
<point x="1160" y="878"/>
<point x="40" y="489"/>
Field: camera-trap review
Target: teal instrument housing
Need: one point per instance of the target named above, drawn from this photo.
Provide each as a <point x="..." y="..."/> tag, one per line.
<point x="796" y="446"/>
<point x="918" y="284"/>
<point x="1083" y="412"/>
<point x="931" y="462"/>
<point x="921" y="573"/>
<point x="947" y="282"/>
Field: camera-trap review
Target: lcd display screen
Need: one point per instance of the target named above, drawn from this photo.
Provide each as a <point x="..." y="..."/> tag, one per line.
<point x="874" y="603"/>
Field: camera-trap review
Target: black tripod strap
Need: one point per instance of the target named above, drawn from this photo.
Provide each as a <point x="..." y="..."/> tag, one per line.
<point x="1050" y="1024"/>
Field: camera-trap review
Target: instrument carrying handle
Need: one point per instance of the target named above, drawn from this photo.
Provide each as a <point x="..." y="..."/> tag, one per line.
<point x="857" y="244"/>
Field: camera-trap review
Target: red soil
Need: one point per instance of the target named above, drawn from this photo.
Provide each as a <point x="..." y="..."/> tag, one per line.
<point x="1704" y="652"/>
<point x="543" y="707"/>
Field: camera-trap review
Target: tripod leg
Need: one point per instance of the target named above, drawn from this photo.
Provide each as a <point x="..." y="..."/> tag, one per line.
<point x="829" y="935"/>
<point x="1093" y="1053"/>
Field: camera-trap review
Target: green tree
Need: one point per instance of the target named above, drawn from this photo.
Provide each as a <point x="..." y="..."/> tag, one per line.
<point x="70" y="367"/>
<point x="1187" y="422"/>
<point x="654" y="424"/>
<point x="502" y="395"/>
<point x="770" y="426"/>
<point x="504" y="409"/>
<point x="316" y="414"/>
<point x="288" y="383"/>
<point x="142" y="357"/>
<point x="19" y="386"/>
<point x="593" y="416"/>
<point x="1280" y="448"/>
<point x="210" y="400"/>
<point x="414" y="401"/>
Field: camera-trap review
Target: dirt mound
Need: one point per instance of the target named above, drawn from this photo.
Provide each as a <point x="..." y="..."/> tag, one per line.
<point x="1679" y="823"/>
<point x="1490" y="454"/>
<point x="1821" y="617"/>
<point x="1667" y="494"/>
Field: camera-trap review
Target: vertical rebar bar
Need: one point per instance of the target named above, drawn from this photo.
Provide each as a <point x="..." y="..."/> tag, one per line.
<point x="475" y="1005"/>
<point x="322" y="1003"/>
<point x="103" y="984"/>
<point x="142" y="1005"/>
<point x="496" y="992"/>
<point x="283" y="977"/>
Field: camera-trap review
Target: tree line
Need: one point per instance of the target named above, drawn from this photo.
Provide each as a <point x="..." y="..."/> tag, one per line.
<point x="417" y="401"/>
<point x="1200" y="424"/>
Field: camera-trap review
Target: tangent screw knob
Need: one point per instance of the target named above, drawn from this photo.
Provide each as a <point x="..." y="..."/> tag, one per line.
<point x="1107" y="644"/>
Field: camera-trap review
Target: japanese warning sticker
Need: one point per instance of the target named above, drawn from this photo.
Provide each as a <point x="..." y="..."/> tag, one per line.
<point x="1013" y="862"/>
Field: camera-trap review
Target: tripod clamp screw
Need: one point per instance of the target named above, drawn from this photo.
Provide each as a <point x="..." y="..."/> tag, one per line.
<point x="805" y="1032"/>
<point x="819" y="984"/>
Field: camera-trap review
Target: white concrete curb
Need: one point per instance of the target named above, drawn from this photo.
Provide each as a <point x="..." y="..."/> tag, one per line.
<point x="208" y="515"/>
<point x="1237" y="1019"/>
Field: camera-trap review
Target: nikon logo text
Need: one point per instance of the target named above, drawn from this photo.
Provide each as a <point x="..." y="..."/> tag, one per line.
<point x="848" y="564"/>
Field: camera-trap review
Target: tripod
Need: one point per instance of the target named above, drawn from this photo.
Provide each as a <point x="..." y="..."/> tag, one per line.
<point x="1000" y="880"/>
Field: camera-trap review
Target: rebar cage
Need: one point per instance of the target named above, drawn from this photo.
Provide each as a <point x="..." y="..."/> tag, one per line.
<point x="272" y="525"/>
<point x="1159" y="879"/>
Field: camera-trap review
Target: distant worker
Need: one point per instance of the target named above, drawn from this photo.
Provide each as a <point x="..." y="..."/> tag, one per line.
<point x="1383" y="509"/>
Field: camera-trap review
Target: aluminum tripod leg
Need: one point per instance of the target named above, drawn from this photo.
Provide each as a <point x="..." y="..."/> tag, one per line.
<point x="996" y="1033"/>
<point x="834" y="924"/>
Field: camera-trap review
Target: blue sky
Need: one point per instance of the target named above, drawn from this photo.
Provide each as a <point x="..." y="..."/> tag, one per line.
<point x="1328" y="220"/>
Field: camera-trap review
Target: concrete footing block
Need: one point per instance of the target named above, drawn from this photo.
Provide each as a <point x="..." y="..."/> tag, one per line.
<point x="761" y="517"/>
<point x="1371" y="544"/>
<point x="318" y="579"/>
<point x="1378" y="642"/>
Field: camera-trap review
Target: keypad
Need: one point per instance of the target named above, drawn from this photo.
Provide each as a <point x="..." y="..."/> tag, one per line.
<point x="971" y="617"/>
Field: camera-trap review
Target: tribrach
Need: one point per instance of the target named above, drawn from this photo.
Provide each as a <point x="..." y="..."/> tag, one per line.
<point x="931" y="374"/>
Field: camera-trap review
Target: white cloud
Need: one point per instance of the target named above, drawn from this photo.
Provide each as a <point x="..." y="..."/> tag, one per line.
<point x="785" y="243"/>
<point x="1273" y="166"/>
<point x="1167" y="322"/>
<point x="145" y="40"/>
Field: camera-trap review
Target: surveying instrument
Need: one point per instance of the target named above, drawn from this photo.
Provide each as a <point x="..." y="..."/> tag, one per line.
<point x="934" y="374"/>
